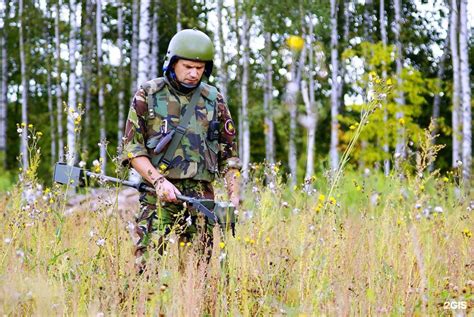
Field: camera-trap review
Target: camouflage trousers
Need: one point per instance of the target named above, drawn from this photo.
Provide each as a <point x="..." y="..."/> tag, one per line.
<point x="157" y="220"/>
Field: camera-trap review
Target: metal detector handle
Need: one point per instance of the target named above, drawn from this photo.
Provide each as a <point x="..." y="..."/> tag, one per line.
<point x="194" y="202"/>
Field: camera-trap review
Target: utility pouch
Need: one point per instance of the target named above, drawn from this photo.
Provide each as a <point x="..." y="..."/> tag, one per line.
<point x="213" y="131"/>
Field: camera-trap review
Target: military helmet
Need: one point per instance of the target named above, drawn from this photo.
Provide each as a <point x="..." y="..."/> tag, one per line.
<point x="193" y="45"/>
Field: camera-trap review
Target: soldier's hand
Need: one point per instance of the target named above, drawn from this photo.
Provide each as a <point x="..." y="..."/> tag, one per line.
<point x="166" y="191"/>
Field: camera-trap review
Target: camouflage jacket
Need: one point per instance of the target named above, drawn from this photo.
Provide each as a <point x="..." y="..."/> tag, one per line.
<point x="196" y="157"/>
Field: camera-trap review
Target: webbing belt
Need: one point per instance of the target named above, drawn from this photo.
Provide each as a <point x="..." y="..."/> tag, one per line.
<point x="165" y="161"/>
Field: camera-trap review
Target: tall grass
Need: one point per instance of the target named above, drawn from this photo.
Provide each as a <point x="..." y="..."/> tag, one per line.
<point x="286" y="257"/>
<point x="385" y="245"/>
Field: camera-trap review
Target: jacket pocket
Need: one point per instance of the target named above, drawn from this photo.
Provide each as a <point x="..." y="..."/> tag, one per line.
<point x="152" y="141"/>
<point x="211" y="156"/>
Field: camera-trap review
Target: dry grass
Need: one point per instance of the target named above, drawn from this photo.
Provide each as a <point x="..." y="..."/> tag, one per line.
<point x="393" y="256"/>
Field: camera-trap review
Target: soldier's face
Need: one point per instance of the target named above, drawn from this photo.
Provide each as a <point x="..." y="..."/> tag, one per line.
<point x="189" y="72"/>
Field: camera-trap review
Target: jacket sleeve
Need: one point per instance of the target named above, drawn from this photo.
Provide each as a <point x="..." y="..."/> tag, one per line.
<point x="228" y="152"/>
<point x="135" y="129"/>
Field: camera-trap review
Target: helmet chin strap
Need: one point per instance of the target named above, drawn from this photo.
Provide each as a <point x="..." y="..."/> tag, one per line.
<point x="183" y="87"/>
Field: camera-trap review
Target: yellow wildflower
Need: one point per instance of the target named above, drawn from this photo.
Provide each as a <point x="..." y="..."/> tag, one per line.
<point x="267" y="240"/>
<point x="130" y="155"/>
<point x="23" y="124"/>
<point x="352" y="127"/>
<point x="247" y="239"/>
<point x="445" y="179"/>
<point x="188" y="244"/>
<point x="321" y="197"/>
<point x="401" y="121"/>
<point x="237" y="174"/>
<point x="372" y="74"/>
<point x="467" y="233"/>
<point x="221" y="245"/>
<point x="295" y="42"/>
<point x="332" y="200"/>
<point x="30" y="126"/>
<point x="182" y="244"/>
<point x="389" y="81"/>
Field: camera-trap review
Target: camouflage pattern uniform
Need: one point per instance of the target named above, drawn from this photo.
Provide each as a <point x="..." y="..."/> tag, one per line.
<point x="195" y="164"/>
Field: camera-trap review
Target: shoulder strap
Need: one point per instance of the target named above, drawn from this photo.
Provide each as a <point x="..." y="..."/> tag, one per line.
<point x="180" y="131"/>
<point x="151" y="87"/>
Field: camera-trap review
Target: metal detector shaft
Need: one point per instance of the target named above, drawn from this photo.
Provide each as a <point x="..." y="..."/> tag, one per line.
<point x="76" y="176"/>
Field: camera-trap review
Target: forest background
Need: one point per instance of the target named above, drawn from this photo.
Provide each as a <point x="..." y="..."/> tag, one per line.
<point x="297" y="76"/>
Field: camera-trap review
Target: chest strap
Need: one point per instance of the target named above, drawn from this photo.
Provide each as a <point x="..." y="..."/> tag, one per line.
<point x="179" y="132"/>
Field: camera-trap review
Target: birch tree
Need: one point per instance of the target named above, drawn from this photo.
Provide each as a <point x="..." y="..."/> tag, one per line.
<point x="24" y="90"/>
<point x="457" y="133"/>
<point x="333" y="154"/>
<point x="244" y="93"/>
<point x="49" y="85"/>
<point x="466" y="94"/>
<point x="223" y="65"/>
<point x="400" y="100"/>
<point x="121" y="101"/>
<point x="87" y="57"/>
<point x="179" y="27"/>
<point x="134" y="48"/>
<point x="383" y="36"/>
<point x="59" y="101"/>
<point x="155" y="38"/>
<point x="268" y="101"/>
<point x="72" y="102"/>
<point x="144" y="42"/>
<point x="3" y="87"/>
<point x="102" y="128"/>
<point x="291" y="95"/>
<point x="310" y="105"/>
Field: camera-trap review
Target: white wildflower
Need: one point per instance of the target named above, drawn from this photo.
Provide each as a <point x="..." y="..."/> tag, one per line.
<point x="96" y="163"/>
<point x="82" y="164"/>
<point x="438" y="209"/>
<point x="8" y="240"/>
<point x="100" y="242"/>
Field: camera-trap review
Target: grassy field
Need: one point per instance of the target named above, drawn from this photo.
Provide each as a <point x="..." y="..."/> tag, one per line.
<point x="377" y="246"/>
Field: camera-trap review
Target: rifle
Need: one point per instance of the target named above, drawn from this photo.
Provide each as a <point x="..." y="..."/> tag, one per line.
<point x="222" y="212"/>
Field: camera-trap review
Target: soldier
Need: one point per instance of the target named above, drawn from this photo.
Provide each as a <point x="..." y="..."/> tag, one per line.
<point x="206" y="148"/>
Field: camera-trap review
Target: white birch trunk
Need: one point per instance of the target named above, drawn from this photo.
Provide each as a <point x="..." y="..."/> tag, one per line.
<point x="144" y="42"/>
<point x="72" y="102"/>
<point x="465" y="94"/>
<point x="3" y="91"/>
<point x="244" y="91"/>
<point x="268" y="102"/>
<point x="383" y="35"/>
<point x="155" y="37"/>
<point x="121" y="101"/>
<point x="311" y="111"/>
<point x="59" y="100"/>
<point x="400" y="100"/>
<point x="87" y="57"/>
<point x="223" y="69"/>
<point x="292" y="92"/>
<point x="102" y="128"/>
<point x="134" y="48"/>
<point x="456" y="120"/>
<point x="49" y="85"/>
<point x="333" y="153"/>
<point x="24" y="92"/>
<point x="179" y="26"/>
